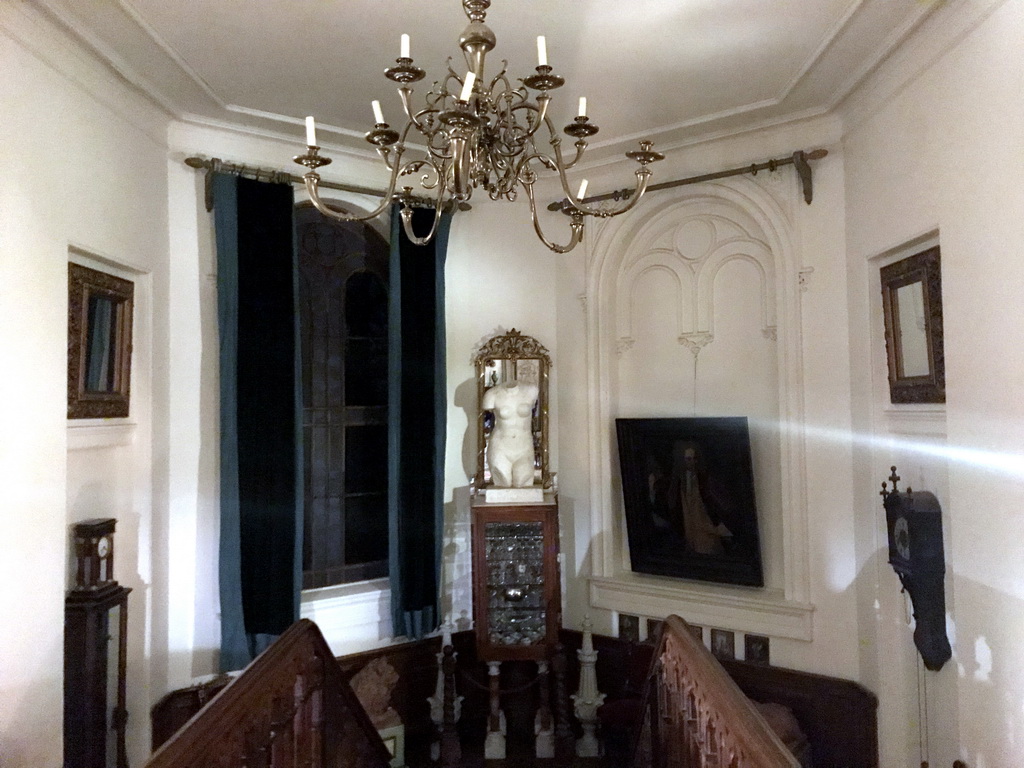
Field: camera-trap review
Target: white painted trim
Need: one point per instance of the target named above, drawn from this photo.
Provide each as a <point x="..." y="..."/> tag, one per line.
<point x="615" y="586"/>
<point x="933" y="37"/>
<point x="43" y="35"/>
<point x="352" y="617"/>
<point x="86" y="434"/>
<point x="741" y="610"/>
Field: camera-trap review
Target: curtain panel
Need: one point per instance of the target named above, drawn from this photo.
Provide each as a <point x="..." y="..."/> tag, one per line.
<point x="260" y="416"/>
<point x="417" y="424"/>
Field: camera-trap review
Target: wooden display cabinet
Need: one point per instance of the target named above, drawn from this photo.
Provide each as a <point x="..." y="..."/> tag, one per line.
<point x="516" y="592"/>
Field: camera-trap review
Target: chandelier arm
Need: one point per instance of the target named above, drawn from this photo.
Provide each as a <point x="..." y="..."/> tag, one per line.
<point x="312" y="180"/>
<point x="556" y="144"/>
<point x="542" y="114"/>
<point x="405" y="93"/>
<point x="581" y="147"/>
<point x="385" y="155"/>
<point x="406" y="213"/>
<point x="576" y="224"/>
<point x="643" y="175"/>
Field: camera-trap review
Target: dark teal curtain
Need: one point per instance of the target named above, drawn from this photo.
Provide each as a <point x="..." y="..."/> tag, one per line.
<point x="260" y="419"/>
<point x="417" y="421"/>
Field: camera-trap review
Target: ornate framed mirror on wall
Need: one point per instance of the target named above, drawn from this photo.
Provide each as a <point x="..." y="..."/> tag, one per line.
<point x="512" y="369"/>
<point x="912" y="304"/>
<point x="99" y="343"/>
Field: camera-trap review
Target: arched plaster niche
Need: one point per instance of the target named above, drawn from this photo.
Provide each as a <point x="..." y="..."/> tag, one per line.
<point x="686" y="240"/>
<point x="688" y="247"/>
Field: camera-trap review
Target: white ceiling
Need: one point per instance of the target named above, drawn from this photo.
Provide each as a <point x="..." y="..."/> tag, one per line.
<point x="670" y="70"/>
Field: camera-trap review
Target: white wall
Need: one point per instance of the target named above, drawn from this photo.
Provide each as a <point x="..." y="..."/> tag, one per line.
<point x="933" y="145"/>
<point x="84" y="167"/>
<point x="498" y="276"/>
<point x="87" y="166"/>
<point x="352" y="618"/>
<point x="804" y="490"/>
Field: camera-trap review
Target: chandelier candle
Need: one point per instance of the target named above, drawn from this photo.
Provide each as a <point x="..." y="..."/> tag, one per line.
<point x="583" y="191"/>
<point x="480" y="133"/>
<point x="467" y="87"/>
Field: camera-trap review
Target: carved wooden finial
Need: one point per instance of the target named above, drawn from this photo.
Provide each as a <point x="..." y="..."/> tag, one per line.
<point x="895" y="479"/>
<point x="884" y="493"/>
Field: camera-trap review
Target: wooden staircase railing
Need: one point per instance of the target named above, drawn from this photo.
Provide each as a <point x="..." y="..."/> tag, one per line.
<point x="696" y="717"/>
<point x="291" y="707"/>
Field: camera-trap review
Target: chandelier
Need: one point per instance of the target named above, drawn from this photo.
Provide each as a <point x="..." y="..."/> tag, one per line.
<point x="476" y="133"/>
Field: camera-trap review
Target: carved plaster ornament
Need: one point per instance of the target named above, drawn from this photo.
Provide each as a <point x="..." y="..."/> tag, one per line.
<point x="373" y="685"/>
<point x="696" y="341"/>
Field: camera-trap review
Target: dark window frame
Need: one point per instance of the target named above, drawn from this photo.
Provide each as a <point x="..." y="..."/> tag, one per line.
<point x="342" y="542"/>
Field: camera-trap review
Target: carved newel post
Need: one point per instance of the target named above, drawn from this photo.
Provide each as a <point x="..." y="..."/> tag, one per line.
<point x="437" y="700"/>
<point x="587" y="700"/>
<point x="494" y="743"/>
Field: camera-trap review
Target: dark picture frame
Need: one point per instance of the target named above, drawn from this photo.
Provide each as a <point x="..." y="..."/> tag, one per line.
<point x="688" y="492"/>
<point x="723" y="644"/>
<point x="912" y="306"/>
<point x="100" y="309"/>
<point x="757" y="649"/>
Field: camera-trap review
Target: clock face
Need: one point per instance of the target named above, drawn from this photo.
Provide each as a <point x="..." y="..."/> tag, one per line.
<point x="103" y="547"/>
<point x="901" y="535"/>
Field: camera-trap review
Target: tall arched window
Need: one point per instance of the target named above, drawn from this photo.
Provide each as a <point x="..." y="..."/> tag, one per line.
<point x="343" y="299"/>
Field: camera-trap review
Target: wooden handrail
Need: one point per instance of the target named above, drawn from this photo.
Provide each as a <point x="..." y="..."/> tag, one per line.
<point x="696" y="716"/>
<point x="291" y="707"/>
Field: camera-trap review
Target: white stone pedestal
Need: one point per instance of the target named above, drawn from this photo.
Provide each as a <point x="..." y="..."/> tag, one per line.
<point x="533" y="495"/>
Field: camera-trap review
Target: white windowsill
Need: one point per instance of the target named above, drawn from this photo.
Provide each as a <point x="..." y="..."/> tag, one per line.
<point x="352" y="617"/>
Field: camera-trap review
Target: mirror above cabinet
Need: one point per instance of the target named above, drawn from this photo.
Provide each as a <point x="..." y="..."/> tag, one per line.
<point x="512" y="413"/>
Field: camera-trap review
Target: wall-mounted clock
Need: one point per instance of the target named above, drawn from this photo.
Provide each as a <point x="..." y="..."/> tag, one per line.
<point x="914" y="525"/>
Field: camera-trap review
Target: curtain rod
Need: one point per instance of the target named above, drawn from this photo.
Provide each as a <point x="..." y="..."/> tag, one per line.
<point x="216" y="165"/>
<point x="798" y="159"/>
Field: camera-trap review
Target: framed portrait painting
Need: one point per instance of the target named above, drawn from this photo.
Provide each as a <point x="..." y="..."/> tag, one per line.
<point x="688" y="492"/>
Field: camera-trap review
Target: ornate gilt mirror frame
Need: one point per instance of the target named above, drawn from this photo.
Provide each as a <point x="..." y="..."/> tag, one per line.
<point x="912" y="303"/>
<point x="502" y="359"/>
<point x="99" y="343"/>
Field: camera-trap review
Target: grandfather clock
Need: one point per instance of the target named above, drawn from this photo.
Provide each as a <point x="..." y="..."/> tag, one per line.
<point x="95" y="628"/>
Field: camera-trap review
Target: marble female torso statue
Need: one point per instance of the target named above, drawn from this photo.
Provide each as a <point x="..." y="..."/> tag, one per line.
<point x="510" y="451"/>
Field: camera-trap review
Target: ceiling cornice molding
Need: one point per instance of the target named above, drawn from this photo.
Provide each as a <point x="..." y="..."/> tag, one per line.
<point x="171" y="53"/>
<point x="288" y="139"/>
<point x="723" y="134"/>
<point x="183" y="94"/>
<point x="827" y="42"/>
<point x="104" y="54"/>
<point x="842" y="26"/>
<point x="300" y="122"/>
<point x="49" y="40"/>
<point x="653" y="133"/>
<point x="936" y="36"/>
<point x="885" y="50"/>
